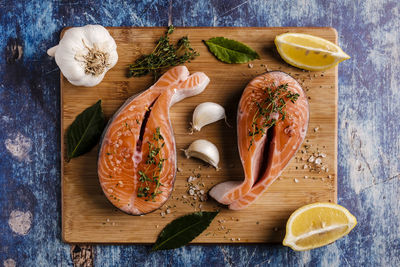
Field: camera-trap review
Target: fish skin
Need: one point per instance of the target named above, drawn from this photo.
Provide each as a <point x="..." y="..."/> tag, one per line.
<point x="237" y="194"/>
<point x="122" y="154"/>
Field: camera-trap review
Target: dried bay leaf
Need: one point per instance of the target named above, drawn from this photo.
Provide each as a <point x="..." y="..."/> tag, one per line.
<point x="85" y="131"/>
<point x="181" y="231"/>
<point x="231" y="51"/>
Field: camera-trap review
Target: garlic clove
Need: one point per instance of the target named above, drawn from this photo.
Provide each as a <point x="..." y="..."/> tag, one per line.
<point x="204" y="150"/>
<point x="207" y="113"/>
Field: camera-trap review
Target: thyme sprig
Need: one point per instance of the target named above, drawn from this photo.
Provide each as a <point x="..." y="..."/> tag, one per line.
<point x="153" y="159"/>
<point x="164" y="55"/>
<point x="274" y="102"/>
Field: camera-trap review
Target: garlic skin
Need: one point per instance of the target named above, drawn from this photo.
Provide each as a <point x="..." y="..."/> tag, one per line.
<point x="85" y="54"/>
<point x="204" y="150"/>
<point x="207" y="113"/>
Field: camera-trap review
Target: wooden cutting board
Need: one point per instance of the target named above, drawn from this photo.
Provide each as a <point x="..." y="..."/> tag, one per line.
<point x="87" y="216"/>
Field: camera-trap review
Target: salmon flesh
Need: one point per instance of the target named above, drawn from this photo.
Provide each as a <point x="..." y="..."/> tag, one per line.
<point x="137" y="157"/>
<point x="272" y="122"/>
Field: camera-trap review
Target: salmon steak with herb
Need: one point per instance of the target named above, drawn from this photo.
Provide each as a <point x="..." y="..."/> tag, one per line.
<point x="272" y="122"/>
<point x="137" y="157"/>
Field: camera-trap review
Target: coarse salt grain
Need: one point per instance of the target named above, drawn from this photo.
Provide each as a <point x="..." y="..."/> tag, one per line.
<point x="191" y="179"/>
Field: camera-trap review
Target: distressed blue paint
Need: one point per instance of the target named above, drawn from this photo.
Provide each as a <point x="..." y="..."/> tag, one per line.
<point x="369" y="127"/>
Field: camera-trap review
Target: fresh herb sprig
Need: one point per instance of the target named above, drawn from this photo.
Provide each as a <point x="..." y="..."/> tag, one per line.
<point x="274" y="102"/>
<point x="153" y="159"/>
<point x="164" y="55"/>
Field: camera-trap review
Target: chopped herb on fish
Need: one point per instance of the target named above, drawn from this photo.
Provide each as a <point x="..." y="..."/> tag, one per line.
<point x="273" y="104"/>
<point x="153" y="158"/>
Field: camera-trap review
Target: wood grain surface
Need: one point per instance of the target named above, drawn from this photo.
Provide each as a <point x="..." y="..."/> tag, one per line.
<point x="87" y="216"/>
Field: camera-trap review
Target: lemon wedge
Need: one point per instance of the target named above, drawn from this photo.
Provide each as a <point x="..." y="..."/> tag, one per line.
<point x="316" y="225"/>
<point x="309" y="52"/>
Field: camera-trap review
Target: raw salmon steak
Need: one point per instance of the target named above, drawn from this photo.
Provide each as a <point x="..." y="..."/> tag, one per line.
<point x="137" y="157"/>
<point x="272" y="122"/>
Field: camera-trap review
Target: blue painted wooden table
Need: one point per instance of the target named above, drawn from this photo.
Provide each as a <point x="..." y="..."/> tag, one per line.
<point x="369" y="128"/>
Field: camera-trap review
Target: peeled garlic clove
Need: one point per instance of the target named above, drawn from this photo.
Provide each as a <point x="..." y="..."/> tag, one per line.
<point x="204" y="150"/>
<point x="206" y="113"/>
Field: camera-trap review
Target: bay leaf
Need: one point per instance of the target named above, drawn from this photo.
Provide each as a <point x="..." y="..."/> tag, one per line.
<point x="85" y="131"/>
<point x="181" y="231"/>
<point x="231" y="51"/>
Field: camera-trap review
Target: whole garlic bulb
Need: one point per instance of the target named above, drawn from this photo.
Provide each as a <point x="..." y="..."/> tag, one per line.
<point x="85" y="54"/>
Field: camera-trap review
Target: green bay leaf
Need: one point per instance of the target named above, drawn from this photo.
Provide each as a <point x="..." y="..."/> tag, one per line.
<point x="231" y="51"/>
<point x="181" y="231"/>
<point x="85" y="131"/>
